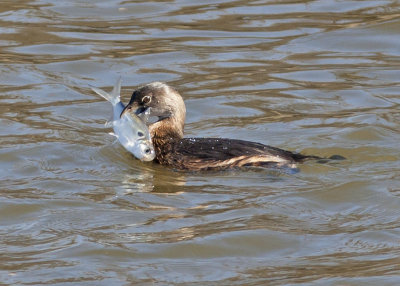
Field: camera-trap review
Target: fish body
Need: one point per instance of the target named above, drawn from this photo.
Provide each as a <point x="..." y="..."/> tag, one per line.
<point x="130" y="130"/>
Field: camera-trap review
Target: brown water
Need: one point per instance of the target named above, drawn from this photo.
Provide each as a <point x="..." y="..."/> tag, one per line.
<point x="318" y="77"/>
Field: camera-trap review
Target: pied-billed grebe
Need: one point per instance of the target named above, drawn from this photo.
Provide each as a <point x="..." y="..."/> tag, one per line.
<point x="164" y="103"/>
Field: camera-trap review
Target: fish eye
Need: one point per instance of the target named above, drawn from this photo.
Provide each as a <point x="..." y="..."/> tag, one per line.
<point x="140" y="134"/>
<point x="146" y="99"/>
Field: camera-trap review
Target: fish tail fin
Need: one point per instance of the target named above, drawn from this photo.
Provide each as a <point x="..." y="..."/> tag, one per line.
<point x="114" y="96"/>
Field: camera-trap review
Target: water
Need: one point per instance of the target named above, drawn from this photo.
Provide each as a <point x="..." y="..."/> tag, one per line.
<point x="317" y="77"/>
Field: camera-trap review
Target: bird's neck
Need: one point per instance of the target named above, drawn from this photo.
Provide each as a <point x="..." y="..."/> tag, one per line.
<point x="165" y="131"/>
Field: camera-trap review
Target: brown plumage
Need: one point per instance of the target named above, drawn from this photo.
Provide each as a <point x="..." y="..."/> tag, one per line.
<point x="165" y="104"/>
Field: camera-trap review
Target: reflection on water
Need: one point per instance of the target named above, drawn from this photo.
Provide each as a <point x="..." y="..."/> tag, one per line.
<point x="318" y="77"/>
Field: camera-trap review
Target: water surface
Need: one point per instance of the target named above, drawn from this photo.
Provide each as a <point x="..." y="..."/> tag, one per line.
<point x="317" y="77"/>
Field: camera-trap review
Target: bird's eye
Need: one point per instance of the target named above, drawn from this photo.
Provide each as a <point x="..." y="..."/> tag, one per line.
<point x="146" y="99"/>
<point x="140" y="134"/>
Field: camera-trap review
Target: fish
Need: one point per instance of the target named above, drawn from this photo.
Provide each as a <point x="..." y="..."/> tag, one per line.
<point x="129" y="129"/>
